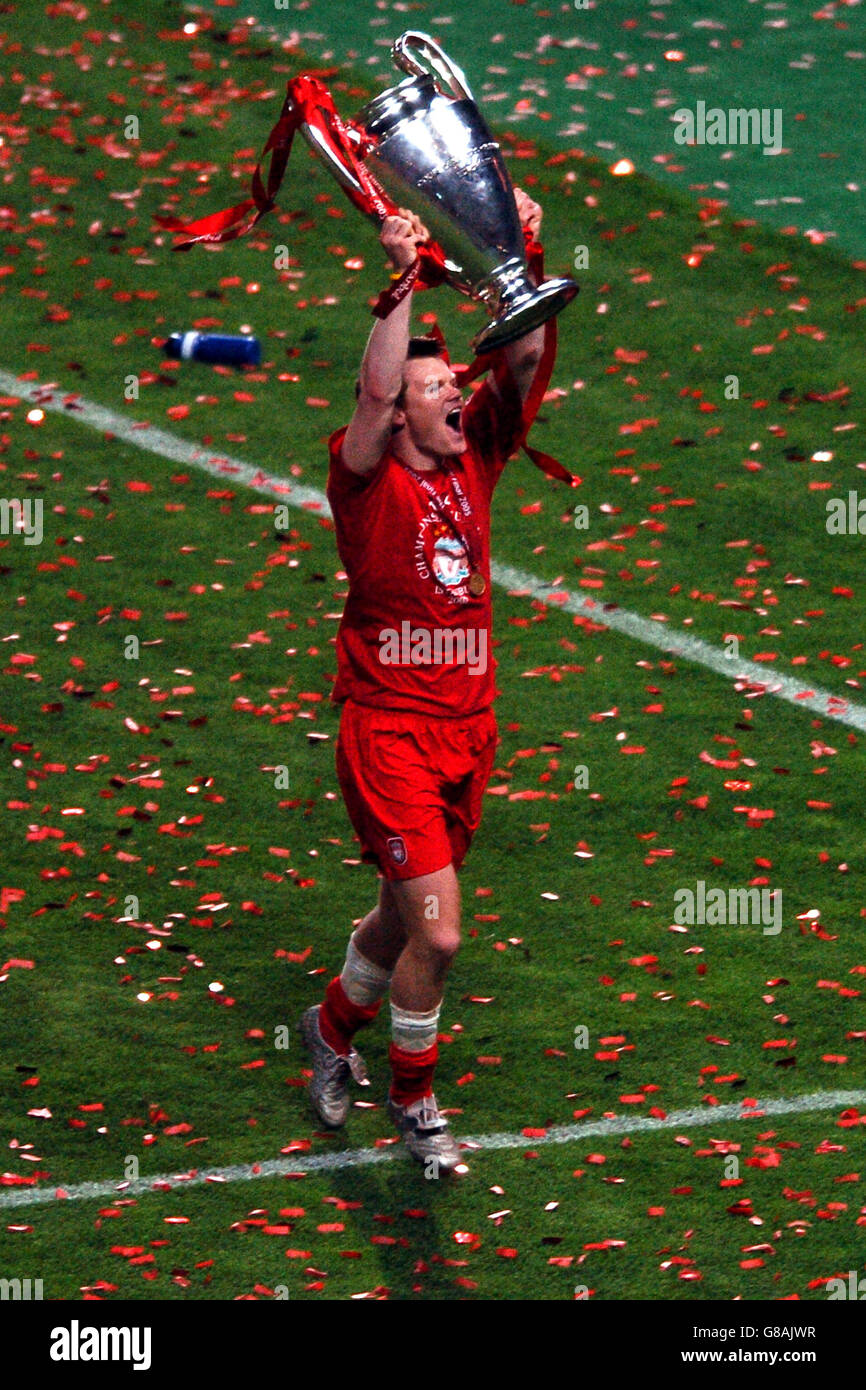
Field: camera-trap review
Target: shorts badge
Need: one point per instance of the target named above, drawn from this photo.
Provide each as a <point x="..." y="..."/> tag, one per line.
<point x="397" y="849"/>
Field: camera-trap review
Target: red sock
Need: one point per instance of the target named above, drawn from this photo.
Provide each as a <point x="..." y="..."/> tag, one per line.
<point x="340" y="1019"/>
<point x="413" y="1073"/>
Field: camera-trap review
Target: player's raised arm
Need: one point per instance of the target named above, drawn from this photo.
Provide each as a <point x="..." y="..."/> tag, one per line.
<point x="381" y="375"/>
<point x="524" y="355"/>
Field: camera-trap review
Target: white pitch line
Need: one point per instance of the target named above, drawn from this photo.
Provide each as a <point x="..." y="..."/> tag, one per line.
<point x="749" y="676"/>
<point x="695" y="1118"/>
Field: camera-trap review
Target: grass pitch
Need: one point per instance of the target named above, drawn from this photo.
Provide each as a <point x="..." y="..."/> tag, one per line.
<point x="151" y="857"/>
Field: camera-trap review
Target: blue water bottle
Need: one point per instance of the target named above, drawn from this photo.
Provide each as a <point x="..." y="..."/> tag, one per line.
<point x="230" y="351"/>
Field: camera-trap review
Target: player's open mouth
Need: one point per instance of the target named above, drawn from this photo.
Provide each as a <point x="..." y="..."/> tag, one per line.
<point x="452" y="419"/>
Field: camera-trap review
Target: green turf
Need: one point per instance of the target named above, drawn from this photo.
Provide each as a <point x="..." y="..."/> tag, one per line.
<point x="597" y="1220"/>
<point x="236" y="626"/>
<point x="609" y="76"/>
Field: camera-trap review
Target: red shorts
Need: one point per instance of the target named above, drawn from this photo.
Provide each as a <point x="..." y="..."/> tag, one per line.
<point x="413" y="784"/>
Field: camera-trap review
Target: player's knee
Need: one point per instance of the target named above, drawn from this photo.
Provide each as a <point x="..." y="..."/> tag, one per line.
<point x="442" y="945"/>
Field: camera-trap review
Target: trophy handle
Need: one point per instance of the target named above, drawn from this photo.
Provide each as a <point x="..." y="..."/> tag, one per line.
<point x="402" y="53"/>
<point x="325" y="145"/>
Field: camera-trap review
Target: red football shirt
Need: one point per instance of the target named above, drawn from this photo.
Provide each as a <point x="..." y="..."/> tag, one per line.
<point x="413" y="636"/>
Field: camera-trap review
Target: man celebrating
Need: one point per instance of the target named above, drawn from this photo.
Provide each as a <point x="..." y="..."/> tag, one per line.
<point x="410" y="483"/>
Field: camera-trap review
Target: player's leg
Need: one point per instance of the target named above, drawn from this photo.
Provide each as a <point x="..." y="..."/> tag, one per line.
<point x="382" y="935"/>
<point x="352" y="1000"/>
<point x="429" y="907"/>
<point x="353" y="997"/>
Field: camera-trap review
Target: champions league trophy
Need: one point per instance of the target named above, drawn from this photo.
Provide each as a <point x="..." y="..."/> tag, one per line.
<point x="426" y="144"/>
<point x="422" y="145"/>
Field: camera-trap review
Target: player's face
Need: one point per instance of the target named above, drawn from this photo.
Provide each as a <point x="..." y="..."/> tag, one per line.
<point x="431" y="413"/>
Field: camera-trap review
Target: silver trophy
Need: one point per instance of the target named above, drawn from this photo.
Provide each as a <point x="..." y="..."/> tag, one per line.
<point x="433" y="153"/>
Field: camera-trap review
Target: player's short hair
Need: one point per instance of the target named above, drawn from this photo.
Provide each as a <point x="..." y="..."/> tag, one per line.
<point x="418" y="347"/>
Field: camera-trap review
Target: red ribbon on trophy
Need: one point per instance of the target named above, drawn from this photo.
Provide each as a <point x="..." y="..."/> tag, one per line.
<point x="309" y="101"/>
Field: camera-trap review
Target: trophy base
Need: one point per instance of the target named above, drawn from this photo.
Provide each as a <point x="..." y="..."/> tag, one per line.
<point x="524" y="313"/>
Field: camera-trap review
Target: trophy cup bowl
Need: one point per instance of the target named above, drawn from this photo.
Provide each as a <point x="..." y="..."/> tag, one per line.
<point x="430" y="149"/>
